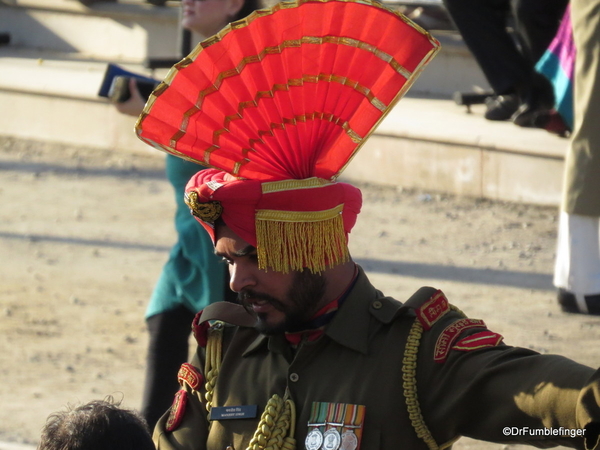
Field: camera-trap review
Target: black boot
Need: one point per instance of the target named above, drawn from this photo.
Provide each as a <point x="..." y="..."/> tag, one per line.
<point x="537" y="100"/>
<point x="501" y="107"/>
<point x="568" y="303"/>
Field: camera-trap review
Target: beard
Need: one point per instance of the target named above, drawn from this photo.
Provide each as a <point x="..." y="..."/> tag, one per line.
<point x="303" y="300"/>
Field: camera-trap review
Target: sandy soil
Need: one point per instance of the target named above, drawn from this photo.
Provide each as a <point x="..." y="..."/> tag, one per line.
<point x="84" y="233"/>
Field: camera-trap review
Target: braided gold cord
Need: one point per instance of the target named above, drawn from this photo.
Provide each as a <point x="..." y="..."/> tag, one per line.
<point x="409" y="376"/>
<point x="213" y="361"/>
<point x="277" y="424"/>
<point x="276" y="428"/>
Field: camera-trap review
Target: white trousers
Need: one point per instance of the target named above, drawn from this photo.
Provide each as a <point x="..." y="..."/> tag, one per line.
<point x="577" y="267"/>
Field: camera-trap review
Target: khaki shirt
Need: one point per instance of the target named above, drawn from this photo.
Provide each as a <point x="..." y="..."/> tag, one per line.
<point x="424" y="373"/>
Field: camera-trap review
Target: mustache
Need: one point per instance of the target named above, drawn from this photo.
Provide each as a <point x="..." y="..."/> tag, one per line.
<point x="246" y="296"/>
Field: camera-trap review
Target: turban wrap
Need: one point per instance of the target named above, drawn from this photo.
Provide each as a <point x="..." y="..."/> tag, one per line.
<point x="293" y="223"/>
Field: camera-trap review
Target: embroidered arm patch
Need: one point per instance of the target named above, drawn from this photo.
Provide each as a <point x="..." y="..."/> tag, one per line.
<point x="478" y="340"/>
<point x="433" y="310"/>
<point x="450" y="334"/>
<point x="177" y="410"/>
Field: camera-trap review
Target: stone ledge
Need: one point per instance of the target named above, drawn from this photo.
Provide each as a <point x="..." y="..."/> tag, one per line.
<point x="55" y="75"/>
<point x="439" y="120"/>
<point x="125" y="10"/>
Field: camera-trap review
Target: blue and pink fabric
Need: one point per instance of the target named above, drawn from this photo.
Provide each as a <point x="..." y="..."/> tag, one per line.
<point x="558" y="64"/>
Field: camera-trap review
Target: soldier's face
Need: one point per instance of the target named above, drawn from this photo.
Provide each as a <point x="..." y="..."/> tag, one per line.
<point x="280" y="301"/>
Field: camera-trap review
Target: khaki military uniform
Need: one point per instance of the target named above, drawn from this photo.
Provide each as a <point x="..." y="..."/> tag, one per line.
<point x="581" y="192"/>
<point x="422" y="374"/>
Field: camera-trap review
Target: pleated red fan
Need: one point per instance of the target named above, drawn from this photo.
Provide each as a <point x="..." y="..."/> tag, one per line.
<point x="290" y="92"/>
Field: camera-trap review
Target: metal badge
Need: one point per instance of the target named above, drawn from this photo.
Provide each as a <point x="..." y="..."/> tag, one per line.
<point x="314" y="440"/>
<point x="331" y="439"/>
<point x="349" y="440"/>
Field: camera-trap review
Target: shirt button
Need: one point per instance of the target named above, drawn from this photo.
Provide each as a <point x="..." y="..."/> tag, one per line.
<point x="377" y="304"/>
<point x="294" y="377"/>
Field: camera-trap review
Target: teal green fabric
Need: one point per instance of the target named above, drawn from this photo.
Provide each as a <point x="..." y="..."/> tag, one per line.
<point x="193" y="276"/>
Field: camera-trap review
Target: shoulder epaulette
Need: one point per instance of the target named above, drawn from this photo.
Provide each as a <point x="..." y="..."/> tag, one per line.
<point x="385" y="309"/>
<point x="200" y="330"/>
<point x="429" y="304"/>
<point x="226" y="312"/>
<point x="189" y="375"/>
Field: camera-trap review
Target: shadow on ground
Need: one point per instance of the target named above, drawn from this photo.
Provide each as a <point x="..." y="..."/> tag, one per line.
<point x="409" y="269"/>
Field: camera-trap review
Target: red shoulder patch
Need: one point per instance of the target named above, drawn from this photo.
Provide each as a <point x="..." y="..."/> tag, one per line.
<point x="447" y="337"/>
<point x="479" y="340"/>
<point x="190" y="375"/>
<point x="200" y="330"/>
<point x="433" y="309"/>
<point x="177" y="410"/>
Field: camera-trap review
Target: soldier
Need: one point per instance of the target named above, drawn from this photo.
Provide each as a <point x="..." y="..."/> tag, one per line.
<point x="314" y="356"/>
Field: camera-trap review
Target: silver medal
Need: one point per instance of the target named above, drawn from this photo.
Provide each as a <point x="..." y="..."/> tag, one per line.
<point x="349" y="440"/>
<point x="314" y="440"/>
<point x="331" y="439"/>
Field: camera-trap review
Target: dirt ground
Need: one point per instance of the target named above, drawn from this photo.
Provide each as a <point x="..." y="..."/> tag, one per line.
<point x="84" y="233"/>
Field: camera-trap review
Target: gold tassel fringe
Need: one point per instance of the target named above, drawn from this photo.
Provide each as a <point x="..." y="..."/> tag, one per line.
<point x="292" y="240"/>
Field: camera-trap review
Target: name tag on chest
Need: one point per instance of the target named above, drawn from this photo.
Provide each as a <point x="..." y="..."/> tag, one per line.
<point x="233" y="412"/>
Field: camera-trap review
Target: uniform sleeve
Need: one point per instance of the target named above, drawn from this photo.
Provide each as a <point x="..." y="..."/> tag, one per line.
<point x="471" y="384"/>
<point x="185" y="425"/>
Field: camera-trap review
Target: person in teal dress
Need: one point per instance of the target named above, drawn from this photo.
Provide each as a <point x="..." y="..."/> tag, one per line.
<point x="192" y="277"/>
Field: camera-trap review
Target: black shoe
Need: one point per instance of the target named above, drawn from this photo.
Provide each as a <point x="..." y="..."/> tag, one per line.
<point x="501" y="107"/>
<point x="569" y="304"/>
<point x="538" y="101"/>
<point x="532" y="115"/>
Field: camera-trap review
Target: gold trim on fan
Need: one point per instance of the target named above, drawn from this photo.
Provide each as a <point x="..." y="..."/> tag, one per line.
<point x="305" y="40"/>
<point x="251" y="59"/>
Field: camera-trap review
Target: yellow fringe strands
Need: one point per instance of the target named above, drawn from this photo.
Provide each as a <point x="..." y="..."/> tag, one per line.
<point x="294" y="240"/>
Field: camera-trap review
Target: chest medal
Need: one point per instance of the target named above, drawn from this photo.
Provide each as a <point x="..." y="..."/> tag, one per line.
<point x="335" y="426"/>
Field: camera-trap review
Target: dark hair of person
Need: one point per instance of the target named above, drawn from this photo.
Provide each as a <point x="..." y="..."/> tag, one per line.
<point x="97" y="425"/>
<point x="249" y="6"/>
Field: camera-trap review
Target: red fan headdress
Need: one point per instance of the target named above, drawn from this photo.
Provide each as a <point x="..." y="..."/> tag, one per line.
<point x="278" y="104"/>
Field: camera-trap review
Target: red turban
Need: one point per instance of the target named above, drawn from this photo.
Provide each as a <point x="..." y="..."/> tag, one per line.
<point x="286" y="220"/>
<point x="280" y="102"/>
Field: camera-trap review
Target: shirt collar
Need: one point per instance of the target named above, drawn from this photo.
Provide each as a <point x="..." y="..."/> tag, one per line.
<point x="318" y="323"/>
<point x="350" y="326"/>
